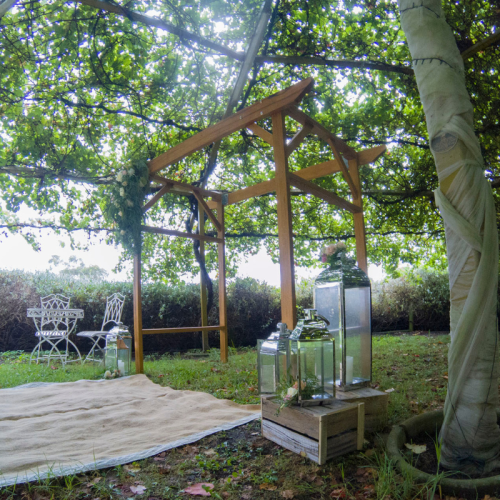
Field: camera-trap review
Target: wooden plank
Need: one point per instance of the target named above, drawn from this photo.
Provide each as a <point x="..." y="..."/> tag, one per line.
<point x="221" y="253"/>
<point x="139" y="355"/>
<point x="209" y="212"/>
<point x="293" y="441"/>
<point x="328" y="196"/>
<point x="361" y="426"/>
<point x="290" y="440"/>
<point x="370" y="155"/>
<point x="155" y="198"/>
<point x="318" y="170"/>
<point x="322" y="441"/>
<point x="237" y="121"/>
<point x="262" y="133"/>
<point x="287" y="271"/>
<point x="338" y="417"/>
<point x="203" y="285"/>
<point x="172" y="232"/>
<point x="359" y="222"/>
<point x="187" y="188"/>
<point x="320" y="131"/>
<point x="181" y="329"/>
<point x="297" y="139"/>
<point x="343" y="168"/>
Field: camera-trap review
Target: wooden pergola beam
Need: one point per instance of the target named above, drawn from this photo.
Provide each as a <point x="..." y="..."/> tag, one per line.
<point x="182" y="329"/>
<point x="297" y="139"/>
<point x="209" y="212"/>
<point x="370" y="155"/>
<point x="172" y="232"/>
<point x="342" y="166"/>
<point x="262" y="133"/>
<point x="321" y="132"/>
<point x="235" y="122"/>
<point x="186" y="188"/>
<point x="165" y="189"/>
<point x="325" y="195"/>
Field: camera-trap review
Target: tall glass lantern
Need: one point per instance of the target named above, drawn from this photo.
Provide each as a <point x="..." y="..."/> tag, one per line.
<point x="273" y="359"/>
<point x="342" y="294"/>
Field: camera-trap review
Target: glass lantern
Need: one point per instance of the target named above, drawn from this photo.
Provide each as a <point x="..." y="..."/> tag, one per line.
<point x="118" y="357"/>
<point x="342" y="294"/>
<point x="312" y="361"/>
<point x="272" y="359"/>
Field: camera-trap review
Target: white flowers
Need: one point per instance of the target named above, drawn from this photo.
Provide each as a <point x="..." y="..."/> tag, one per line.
<point x="142" y="183"/>
<point x="119" y="177"/>
<point x="124" y="183"/>
<point x="291" y="392"/>
<point x="131" y="171"/>
<point x="129" y="203"/>
<point x="122" y="192"/>
<point x="122" y="232"/>
<point x="120" y="213"/>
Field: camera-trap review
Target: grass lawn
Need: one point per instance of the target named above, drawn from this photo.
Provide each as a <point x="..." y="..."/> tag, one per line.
<point x="240" y="463"/>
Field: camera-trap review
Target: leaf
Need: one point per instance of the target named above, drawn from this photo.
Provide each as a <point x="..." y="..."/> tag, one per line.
<point x="200" y="489"/>
<point x="132" y="467"/>
<point x="268" y="487"/>
<point x="288" y="494"/>
<point x="390" y="390"/>
<point x="338" y="493"/>
<point x="93" y="482"/>
<point x="416" y="448"/>
<point x="138" y="490"/>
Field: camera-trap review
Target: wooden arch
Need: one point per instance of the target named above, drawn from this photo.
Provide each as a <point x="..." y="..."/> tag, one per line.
<point x="345" y="160"/>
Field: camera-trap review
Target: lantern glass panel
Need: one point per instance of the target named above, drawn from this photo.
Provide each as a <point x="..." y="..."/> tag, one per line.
<point x="316" y="370"/>
<point x="327" y="300"/>
<point x="358" y="335"/>
<point x="272" y="364"/>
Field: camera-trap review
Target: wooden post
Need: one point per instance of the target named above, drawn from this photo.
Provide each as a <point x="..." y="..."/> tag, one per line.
<point x="139" y="357"/>
<point x="288" y="302"/>
<point x="203" y="285"/>
<point x="222" y="285"/>
<point x="359" y="222"/>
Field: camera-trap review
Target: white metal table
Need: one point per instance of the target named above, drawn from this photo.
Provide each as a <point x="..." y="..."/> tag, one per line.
<point x="54" y="327"/>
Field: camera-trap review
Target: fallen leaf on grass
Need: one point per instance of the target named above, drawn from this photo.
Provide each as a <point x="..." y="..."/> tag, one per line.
<point x="288" y="494"/>
<point x="416" y="448"/>
<point x="200" y="489"/>
<point x="390" y="390"/>
<point x="132" y="468"/>
<point x="268" y="487"/>
<point x="338" y="493"/>
<point x="93" y="482"/>
<point x="53" y="367"/>
<point x="138" y="490"/>
<point x="303" y="454"/>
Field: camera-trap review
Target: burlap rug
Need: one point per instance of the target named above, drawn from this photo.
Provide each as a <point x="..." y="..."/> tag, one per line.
<point x="56" y="429"/>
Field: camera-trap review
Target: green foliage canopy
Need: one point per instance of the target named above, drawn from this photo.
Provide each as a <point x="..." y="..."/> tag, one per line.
<point x="83" y="91"/>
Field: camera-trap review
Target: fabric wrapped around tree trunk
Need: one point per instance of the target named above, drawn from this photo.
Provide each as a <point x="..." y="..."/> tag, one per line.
<point x="470" y="435"/>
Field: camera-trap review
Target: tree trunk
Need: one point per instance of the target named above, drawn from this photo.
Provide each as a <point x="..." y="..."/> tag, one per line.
<point x="470" y="435"/>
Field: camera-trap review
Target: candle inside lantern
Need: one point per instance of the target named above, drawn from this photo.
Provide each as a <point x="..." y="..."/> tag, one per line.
<point x="349" y="369"/>
<point x="121" y="366"/>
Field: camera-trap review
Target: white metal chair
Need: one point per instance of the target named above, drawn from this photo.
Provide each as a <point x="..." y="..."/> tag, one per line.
<point x="113" y="315"/>
<point x="54" y="322"/>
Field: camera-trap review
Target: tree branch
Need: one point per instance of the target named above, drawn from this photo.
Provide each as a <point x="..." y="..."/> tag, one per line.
<point x="41" y="173"/>
<point x="479" y="46"/>
<point x="334" y="63"/>
<point x="158" y="23"/>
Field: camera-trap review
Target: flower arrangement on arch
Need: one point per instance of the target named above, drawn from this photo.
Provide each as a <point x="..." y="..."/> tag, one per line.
<point x="124" y="205"/>
<point x="331" y="252"/>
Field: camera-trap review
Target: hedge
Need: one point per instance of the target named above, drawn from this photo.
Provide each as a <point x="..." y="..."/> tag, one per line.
<point x="253" y="307"/>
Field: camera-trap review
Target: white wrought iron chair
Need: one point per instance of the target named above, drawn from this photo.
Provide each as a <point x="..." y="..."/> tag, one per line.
<point x="54" y="323"/>
<point x="113" y="315"/>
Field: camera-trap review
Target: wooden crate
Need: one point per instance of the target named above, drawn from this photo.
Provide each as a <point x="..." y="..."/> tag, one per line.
<point x="321" y="432"/>
<point x="375" y="405"/>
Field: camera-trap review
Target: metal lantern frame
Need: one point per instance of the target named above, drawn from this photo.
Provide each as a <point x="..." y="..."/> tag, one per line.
<point x="359" y="280"/>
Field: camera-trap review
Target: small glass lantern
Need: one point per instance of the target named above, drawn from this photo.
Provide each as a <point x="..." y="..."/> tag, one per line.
<point x="118" y="358"/>
<point x="272" y="359"/>
<point x="312" y="361"/>
<point x="342" y="294"/>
